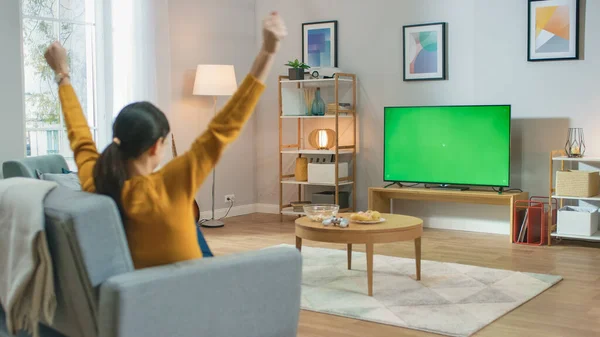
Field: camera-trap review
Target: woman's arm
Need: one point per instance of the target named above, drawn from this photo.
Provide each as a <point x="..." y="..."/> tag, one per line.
<point x="185" y="174"/>
<point x="78" y="131"/>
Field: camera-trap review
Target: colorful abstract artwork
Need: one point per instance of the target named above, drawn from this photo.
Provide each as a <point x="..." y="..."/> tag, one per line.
<point x="425" y="52"/>
<point x="319" y="44"/>
<point x="553" y="30"/>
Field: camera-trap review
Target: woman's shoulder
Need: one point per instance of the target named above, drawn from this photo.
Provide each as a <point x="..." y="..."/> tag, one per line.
<point x="146" y="185"/>
<point x="142" y="190"/>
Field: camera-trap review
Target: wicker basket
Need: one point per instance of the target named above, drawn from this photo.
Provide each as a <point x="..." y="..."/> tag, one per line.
<point x="583" y="184"/>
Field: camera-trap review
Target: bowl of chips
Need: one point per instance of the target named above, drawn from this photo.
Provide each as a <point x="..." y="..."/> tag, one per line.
<point x="320" y="212"/>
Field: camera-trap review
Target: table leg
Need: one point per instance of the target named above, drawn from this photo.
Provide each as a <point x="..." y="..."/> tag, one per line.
<point x="349" y="256"/>
<point x="370" y="267"/>
<point x="299" y="243"/>
<point x="418" y="257"/>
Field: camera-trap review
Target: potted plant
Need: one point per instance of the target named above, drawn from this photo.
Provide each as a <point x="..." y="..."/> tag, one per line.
<point x="297" y="68"/>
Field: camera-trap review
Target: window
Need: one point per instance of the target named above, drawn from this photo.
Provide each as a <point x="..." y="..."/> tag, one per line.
<point x="73" y="23"/>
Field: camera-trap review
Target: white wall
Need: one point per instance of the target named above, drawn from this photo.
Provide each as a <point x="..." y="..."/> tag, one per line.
<point x="487" y="65"/>
<point x="212" y="32"/>
<point x="12" y="120"/>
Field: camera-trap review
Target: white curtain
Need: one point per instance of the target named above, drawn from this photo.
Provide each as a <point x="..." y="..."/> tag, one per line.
<point x="140" y="53"/>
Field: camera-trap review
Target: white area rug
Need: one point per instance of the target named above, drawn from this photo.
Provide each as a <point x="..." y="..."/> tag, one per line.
<point x="451" y="299"/>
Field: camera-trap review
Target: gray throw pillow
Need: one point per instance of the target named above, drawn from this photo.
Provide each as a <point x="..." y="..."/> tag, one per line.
<point x="69" y="180"/>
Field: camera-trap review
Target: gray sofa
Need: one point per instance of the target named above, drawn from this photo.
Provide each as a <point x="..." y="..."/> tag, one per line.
<point x="255" y="294"/>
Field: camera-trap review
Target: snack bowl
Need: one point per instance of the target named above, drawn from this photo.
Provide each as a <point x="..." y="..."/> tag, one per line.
<point x="320" y="212"/>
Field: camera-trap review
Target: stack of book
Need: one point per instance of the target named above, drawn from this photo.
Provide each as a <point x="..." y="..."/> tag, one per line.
<point x="298" y="206"/>
<point x="342" y="107"/>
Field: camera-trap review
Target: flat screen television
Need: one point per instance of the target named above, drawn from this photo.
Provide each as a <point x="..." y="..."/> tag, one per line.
<point x="448" y="145"/>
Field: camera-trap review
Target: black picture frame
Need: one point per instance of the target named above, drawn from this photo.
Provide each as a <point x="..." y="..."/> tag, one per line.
<point x="439" y="76"/>
<point x="307" y="25"/>
<point x="576" y="55"/>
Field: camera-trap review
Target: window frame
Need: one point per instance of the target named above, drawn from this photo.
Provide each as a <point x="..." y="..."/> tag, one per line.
<point x="102" y="79"/>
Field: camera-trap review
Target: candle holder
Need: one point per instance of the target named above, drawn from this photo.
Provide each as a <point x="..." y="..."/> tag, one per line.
<point x="575" y="146"/>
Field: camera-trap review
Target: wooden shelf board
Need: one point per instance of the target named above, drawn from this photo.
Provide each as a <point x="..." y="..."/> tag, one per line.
<point x="595" y="237"/>
<point x="596" y="198"/>
<point x="318" y="152"/>
<point x="294" y="182"/>
<point x="583" y="159"/>
<point x="289" y="211"/>
<point x="349" y="115"/>
<point x="320" y="80"/>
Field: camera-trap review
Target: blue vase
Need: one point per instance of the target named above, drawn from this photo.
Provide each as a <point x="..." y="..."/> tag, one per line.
<point x="318" y="105"/>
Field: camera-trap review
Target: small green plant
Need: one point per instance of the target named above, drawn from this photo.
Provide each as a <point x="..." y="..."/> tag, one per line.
<point x="298" y="65"/>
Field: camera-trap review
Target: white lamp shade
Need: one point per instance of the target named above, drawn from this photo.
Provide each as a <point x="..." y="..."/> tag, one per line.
<point x="215" y="80"/>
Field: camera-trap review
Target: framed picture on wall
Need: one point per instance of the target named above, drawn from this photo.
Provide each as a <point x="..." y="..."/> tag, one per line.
<point x="553" y="30"/>
<point x="319" y="44"/>
<point x="424" y="48"/>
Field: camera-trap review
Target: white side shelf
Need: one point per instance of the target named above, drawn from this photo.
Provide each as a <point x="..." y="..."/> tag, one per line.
<point x="583" y="159"/>
<point x="595" y="237"/>
<point x="596" y="198"/>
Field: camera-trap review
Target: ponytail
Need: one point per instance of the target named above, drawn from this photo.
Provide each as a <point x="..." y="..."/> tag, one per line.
<point x="137" y="128"/>
<point x="110" y="174"/>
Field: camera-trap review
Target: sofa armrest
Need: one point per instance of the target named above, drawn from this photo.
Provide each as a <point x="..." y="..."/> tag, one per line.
<point x="254" y="294"/>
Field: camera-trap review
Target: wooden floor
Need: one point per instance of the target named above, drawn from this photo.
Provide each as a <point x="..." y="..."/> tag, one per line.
<point x="571" y="308"/>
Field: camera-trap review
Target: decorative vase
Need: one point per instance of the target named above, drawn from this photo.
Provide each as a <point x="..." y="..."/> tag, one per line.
<point x="301" y="172"/>
<point x="296" y="74"/>
<point x="318" y="105"/>
<point x="309" y="96"/>
<point x="322" y="139"/>
<point x="575" y="146"/>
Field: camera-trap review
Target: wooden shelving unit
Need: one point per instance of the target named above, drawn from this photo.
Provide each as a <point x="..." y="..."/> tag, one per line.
<point x="299" y="149"/>
<point x="560" y="156"/>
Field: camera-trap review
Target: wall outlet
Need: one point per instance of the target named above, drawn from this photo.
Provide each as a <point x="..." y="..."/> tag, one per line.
<point x="229" y="198"/>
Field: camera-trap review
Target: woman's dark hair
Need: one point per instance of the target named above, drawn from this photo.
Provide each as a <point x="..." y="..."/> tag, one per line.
<point x="137" y="127"/>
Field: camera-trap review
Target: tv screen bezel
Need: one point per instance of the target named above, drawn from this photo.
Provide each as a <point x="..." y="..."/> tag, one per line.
<point x="385" y="111"/>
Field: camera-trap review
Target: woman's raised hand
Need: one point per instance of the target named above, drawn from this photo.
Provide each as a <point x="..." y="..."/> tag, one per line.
<point x="274" y="31"/>
<point x="56" y="56"/>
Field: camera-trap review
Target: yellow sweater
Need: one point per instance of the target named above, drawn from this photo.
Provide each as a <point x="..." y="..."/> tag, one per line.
<point x="159" y="219"/>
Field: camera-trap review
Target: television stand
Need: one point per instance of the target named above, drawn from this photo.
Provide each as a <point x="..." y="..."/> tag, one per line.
<point x="380" y="199"/>
<point x="446" y="187"/>
<point x="392" y="184"/>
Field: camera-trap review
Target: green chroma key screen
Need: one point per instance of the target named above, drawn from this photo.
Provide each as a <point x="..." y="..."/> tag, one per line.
<point x="460" y="145"/>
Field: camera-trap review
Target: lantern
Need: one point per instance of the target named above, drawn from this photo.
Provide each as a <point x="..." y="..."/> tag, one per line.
<point x="322" y="139"/>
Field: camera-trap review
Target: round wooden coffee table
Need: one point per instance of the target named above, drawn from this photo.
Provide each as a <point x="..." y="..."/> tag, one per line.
<point x="396" y="228"/>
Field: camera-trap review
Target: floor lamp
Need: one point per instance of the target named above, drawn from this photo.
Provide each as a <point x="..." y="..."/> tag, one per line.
<point x="214" y="80"/>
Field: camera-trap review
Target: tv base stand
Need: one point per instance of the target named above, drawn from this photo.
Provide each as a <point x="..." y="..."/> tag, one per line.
<point x="380" y="199"/>
<point x="449" y="188"/>
<point x="392" y="184"/>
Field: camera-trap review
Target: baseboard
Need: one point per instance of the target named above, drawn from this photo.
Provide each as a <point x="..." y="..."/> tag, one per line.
<point x="267" y="208"/>
<point x="241" y="210"/>
<point x="494" y="227"/>
<point x="235" y="211"/>
<point x="489" y="227"/>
